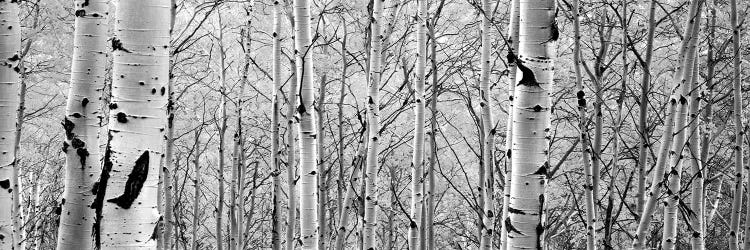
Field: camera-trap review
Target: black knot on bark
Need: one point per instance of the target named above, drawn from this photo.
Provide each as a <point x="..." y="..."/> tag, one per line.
<point x="537" y="108"/>
<point x="122" y="117"/>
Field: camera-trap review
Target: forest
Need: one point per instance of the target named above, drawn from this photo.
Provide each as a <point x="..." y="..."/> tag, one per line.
<point x="374" y="124"/>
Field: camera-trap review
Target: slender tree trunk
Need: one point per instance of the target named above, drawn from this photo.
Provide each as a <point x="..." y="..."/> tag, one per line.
<point x="610" y="216"/>
<point x="715" y="203"/>
<point x="531" y="121"/>
<point x="307" y="132"/>
<point x="10" y="42"/>
<point x="738" y="130"/>
<point x="222" y="139"/>
<point x="167" y="170"/>
<point x="341" y="186"/>
<point x="322" y="186"/>
<point x="699" y="192"/>
<point x="693" y="157"/>
<point x="196" y="191"/>
<point x="488" y="213"/>
<point x="373" y="118"/>
<point x="291" y="163"/>
<point x="643" y="114"/>
<point x="238" y="171"/>
<point x="584" y="131"/>
<point x="275" y="148"/>
<point x="357" y="163"/>
<point x="126" y="195"/>
<point x="430" y="211"/>
<point x="81" y="124"/>
<point x="512" y="50"/>
<point x="417" y="171"/>
<point x="677" y="103"/>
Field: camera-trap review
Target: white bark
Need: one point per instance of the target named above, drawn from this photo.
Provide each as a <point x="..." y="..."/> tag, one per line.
<point x="531" y="121"/>
<point x="10" y="43"/>
<point x="738" y="131"/>
<point x="373" y="118"/>
<point x="81" y="124"/>
<point x="307" y="131"/>
<point x="126" y="201"/>
<point x="485" y="103"/>
<point x="417" y="171"/>
<point x="275" y="148"/>
<point x="513" y="49"/>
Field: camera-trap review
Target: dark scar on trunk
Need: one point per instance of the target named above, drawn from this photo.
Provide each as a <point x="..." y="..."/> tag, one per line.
<point x="100" y="188"/>
<point x="134" y="184"/>
<point x="527" y="76"/>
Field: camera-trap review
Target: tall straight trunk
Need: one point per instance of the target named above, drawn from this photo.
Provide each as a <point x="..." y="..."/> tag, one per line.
<point x="126" y="195"/>
<point x="340" y="184"/>
<point x="291" y="217"/>
<point x="488" y="213"/>
<point x="307" y="132"/>
<point x="373" y="118"/>
<point x="430" y="204"/>
<point x="10" y="44"/>
<point x="348" y="202"/>
<point x="583" y="135"/>
<point x="738" y="130"/>
<point x="531" y="121"/>
<point x="238" y="161"/>
<point x="677" y="103"/>
<point x="222" y="139"/>
<point x="610" y="216"/>
<point x="196" y="192"/>
<point x="417" y="171"/>
<point x="322" y="182"/>
<point x="81" y="124"/>
<point x="168" y="168"/>
<point x="699" y="192"/>
<point x="276" y="137"/>
<point x="512" y="50"/>
<point x="669" y="237"/>
<point x="696" y="168"/>
<point x="643" y="112"/>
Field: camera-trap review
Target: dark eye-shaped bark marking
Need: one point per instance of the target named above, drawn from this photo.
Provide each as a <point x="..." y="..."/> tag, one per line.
<point x="134" y="184"/>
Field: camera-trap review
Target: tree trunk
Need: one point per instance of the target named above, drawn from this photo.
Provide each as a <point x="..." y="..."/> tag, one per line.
<point x="671" y="124"/>
<point x="348" y="202"/>
<point x="430" y="204"/>
<point x="126" y="196"/>
<point x="197" y="192"/>
<point x="643" y="114"/>
<point x="738" y="131"/>
<point x="81" y="124"/>
<point x="322" y="186"/>
<point x="168" y="168"/>
<point x="10" y="42"/>
<point x="512" y="50"/>
<point x="222" y="139"/>
<point x="488" y="126"/>
<point x="373" y="118"/>
<point x="531" y="119"/>
<point x="417" y="171"/>
<point x="276" y="123"/>
<point x="588" y="169"/>
<point x="307" y="132"/>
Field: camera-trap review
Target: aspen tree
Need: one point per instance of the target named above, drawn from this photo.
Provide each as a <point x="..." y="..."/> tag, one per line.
<point x="341" y="187"/>
<point x="429" y="234"/>
<point x="373" y="112"/>
<point x="610" y="218"/>
<point x="488" y="217"/>
<point x="531" y="121"/>
<point x="669" y="237"/>
<point x="196" y="189"/>
<point x="167" y="169"/>
<point x="238" y="170"/>
<point x="322" y="187"/>
<point x="643" y="110"/>
<point x="81" y="124"/>
<point x="696" y="168"/>
<point x="275" y="149"/>
<point x="348" y="201"/>
<point x="588" y="169"/>
<point x="10" y="44"/>
<point x="738" y="131"/>
<point x="671" y="125"/>
<point x="307" y="132"/>
<point x="126" y="194"/>
<point x="417" y="171"/>
<point x="698" y="204"/>
<point x="512" y="49"/>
